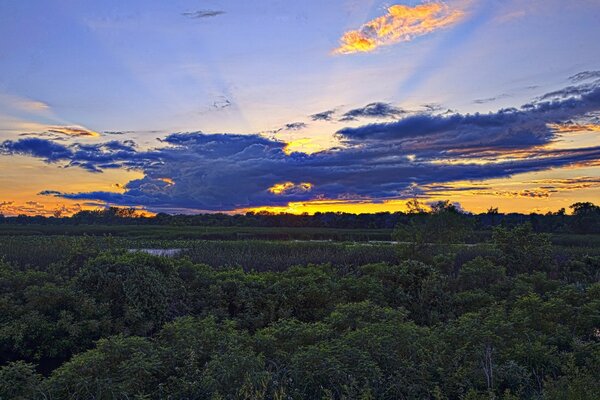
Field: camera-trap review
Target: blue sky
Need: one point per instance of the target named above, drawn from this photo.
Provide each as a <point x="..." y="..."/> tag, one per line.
<point x="151" y="69"/>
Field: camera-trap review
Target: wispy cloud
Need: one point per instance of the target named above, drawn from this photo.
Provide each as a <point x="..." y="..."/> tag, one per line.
<point x="289" y="127"/>
<point x="202" y="13"/>
<point x="491" y="99"/>
<point x="73" y="131"/>
<point x="221" y="103"/>
<point x="584" y="76"/>
<point x="401" y="24"/>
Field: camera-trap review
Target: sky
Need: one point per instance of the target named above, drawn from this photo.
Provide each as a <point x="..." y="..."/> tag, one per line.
<point x="188" y="106"/>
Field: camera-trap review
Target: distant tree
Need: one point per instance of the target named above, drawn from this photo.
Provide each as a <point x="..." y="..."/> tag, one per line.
<point x="586" y="218"/>
<point x="493" y="213"/>
<point x="444" y="225"/>
<point x="415" y="206"/>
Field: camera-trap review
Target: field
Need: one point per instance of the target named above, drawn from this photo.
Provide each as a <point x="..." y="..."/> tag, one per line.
<point x="296" y="313"/>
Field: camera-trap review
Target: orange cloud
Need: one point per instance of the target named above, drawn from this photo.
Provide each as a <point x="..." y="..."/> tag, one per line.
<point x="400" y="24"/>
<point x="168" y="181"/>
<point x="73" y="131"/>
<point x="12" y="208"/>
<point x="568" y="128"/>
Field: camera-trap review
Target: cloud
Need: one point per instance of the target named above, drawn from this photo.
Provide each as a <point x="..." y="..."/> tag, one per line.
<point x="288" y="187"/>
<point x="401" y="24"/>
<point x="373" y="110"/>
<point x="467" y="135"/>
<point x="72" y="131"/>
<point x="94" y="158"/>
<point x="221" y="103"/>
<point x="545" y="188"/>
<point x="376" y="162"/>
<point x="491" y="99"/>
<point x="12" y="208"/>
<point x="584" y="76"/>
<point x="289" y="127"/>
<point x="202" y="14"/>
<point x="574" y="127"/>
<point x="323" y="116"/>
<point x="295" y="126"/>
<point x="36" y="147"/>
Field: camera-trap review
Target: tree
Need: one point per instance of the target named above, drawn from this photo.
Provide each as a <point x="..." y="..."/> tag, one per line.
<point x="20" y="381"/>
<point x="521" y="249"/>
<point x="586" y="218"/>
<point x="444" y="225"/>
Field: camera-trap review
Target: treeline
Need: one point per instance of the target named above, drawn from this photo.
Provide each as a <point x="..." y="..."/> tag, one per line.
<point x="584" y="218"/>
<point x="514" y="323"/>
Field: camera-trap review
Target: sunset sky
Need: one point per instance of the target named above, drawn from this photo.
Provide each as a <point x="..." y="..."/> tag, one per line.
<point x="186" y="106"/>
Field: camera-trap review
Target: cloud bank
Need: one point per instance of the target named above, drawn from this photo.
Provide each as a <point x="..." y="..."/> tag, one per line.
<point x="378" y="161"/>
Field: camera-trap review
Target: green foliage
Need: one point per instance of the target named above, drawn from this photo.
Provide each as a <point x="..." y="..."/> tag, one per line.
<point x="523" y="250"/>
<point x="141" y="291"/>
<point x="519" y="320"/>
<point x="444" y="225"/>
<point x="20" y="381"/>
<point x="119" y="367"/>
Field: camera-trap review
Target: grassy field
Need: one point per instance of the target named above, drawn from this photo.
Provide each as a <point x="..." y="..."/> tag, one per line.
<point x="198" y="232"/>
<point x="41" y="250"/>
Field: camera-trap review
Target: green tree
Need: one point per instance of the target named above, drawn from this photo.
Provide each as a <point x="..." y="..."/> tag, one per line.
<point x="20" y="381"/>
<point x="523" y="250"/>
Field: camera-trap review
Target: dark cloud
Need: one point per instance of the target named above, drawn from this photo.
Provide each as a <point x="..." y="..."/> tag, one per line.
<point x="378" y="161"/>
<point x="373" y="110"/>
<point x="202" y="14"/>
<point x="290" y="127"/>
<point x="92" y="157"/>
<point x="584" y="76"/>
<point x="295" y="126"/>
<point x="323" y="116"/>
<point x="36" y="147"/>
<point x="432" y="107"/>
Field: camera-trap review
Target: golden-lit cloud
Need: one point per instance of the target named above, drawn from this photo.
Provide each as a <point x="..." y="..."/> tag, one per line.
<point x="13" y="208"/>
<point x="287" y="187"/>
<point x="73" y="131"/>
<point x="168" y="181"/>
<point x="401" y="24"/>
<point x="569" y="128"/>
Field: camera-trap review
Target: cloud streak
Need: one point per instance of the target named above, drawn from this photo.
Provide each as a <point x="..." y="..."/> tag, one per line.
<point x="200" y="14"/>
<point x="401" y="23"/>
<point x="73" y="131"/>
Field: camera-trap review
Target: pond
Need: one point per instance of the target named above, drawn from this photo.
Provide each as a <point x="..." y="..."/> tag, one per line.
<point x="158" y="252"/>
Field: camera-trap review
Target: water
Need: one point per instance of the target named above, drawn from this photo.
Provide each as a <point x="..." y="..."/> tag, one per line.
<point x="158" y="252"/>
